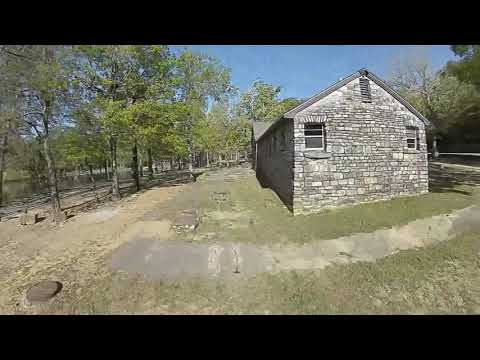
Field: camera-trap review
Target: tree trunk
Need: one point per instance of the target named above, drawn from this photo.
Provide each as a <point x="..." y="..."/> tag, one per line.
<point x="3" y="150"/>
<point x="135" y="165"/>
<point x="77" y="175"/>
<point x="190" y="158"/>
<point x="92" y="179"/>
<point x="150" y="163"/>
<point x="208" y="160"/>
<point x="140" y="164"/>
<point x="106" y="170"/>
<point x="115" y="185"/>
<point x="435" y="149"/>
<point x="52" y="173"/>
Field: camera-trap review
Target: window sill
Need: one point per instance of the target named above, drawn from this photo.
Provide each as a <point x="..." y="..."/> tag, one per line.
<point x="411" y="151"/>
<point x="316" y="154"/>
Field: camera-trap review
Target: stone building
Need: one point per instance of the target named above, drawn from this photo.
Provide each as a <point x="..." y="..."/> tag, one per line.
<point x="356" y="141"/>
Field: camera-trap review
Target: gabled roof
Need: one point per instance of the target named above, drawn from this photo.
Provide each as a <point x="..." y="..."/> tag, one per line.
<point x="362" y="72"/>
<point x="259" y="127"/>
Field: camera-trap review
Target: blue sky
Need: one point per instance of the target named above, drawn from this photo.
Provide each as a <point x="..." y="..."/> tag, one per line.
<point x="305" y="70"/>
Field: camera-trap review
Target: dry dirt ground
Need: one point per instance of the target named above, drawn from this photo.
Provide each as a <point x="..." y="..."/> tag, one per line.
<point x="250" y="255"/>
<point x="73" y="253"/>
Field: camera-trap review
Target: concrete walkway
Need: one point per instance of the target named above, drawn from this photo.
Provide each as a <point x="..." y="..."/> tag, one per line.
<point x="166" y="259"/>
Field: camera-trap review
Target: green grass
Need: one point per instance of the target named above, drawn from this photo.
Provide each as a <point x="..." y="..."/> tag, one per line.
<point x="256" y="215"/>
<point x="444" y="278"/>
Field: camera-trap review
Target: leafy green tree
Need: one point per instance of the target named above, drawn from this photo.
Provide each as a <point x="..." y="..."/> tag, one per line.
<point x="8" y="122"/>
<point x="467" y="68"/>
<point x="438" y="95"/>
<point x="260" y="102"/>
<point x="207" y="137"/>
<point x="8" y="116"/>
<point x="81" y="147"/>
<point x="150" y="82"/>
<point x="223" y="132"/>
<point x="288" y="104"/>
<point x="151" y="122"/>
<point x="42" y="88"/>
<point x="84" y="143"/>
<point x="199" y="78"/>
<point x="102" y="75"/>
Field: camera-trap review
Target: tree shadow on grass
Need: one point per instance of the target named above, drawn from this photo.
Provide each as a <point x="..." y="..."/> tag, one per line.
<point x="445" y="179"/>
<point x="165" y="180"/>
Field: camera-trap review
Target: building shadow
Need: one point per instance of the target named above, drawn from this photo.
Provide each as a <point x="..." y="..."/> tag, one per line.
<point x="265" y="184"/>
<point x="446" y="179"/>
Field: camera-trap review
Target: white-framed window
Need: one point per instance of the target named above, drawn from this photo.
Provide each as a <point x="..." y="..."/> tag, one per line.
<point x="413" y="138"/>
<point x="314" y="136"/>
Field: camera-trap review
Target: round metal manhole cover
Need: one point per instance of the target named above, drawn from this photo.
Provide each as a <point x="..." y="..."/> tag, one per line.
<point x="43" y="291"/>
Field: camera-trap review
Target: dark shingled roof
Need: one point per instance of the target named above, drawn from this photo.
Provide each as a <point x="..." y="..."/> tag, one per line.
<point x="259" y="127"/>
<point x="362" y="72"/>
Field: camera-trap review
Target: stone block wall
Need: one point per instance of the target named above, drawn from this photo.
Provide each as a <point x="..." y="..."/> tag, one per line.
<point x="275" y="161"/>
<point x="366" y="156"/>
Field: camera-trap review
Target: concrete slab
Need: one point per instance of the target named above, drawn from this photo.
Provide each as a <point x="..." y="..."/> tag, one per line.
<point x="170" y="259"/>
<point x="187" y="220"/>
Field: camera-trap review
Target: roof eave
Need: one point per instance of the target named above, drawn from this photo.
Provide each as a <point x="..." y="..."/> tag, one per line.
<point x="291" y="114"/>
<point x="270" y="128"/>
<point x="362" y="72"/>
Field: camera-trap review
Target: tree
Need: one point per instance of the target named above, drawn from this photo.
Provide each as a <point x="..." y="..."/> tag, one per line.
<point x="199" y="78"/>
<point x="8" y="122"/>
<point x="467" y="68"/>
<point x="102" y="73"/>
<point x="260" y="102"/>
<point x="437" y="95"/>
<point x="84" y="144"/>
<point x="288" y="104"/>
<point x="222" y="132"/>
<point x="150" y="122"/>
<point x="207" y="137"/>
<point x="149" y="82"/>
<point x="42" y="89"/>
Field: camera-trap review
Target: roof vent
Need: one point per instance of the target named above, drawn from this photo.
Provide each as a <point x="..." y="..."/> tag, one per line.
<point x="365" y="90"/>
<point x="363" y="72"/>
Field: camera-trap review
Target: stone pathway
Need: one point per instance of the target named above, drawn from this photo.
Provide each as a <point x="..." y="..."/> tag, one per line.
<point x="166" y="259"/>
